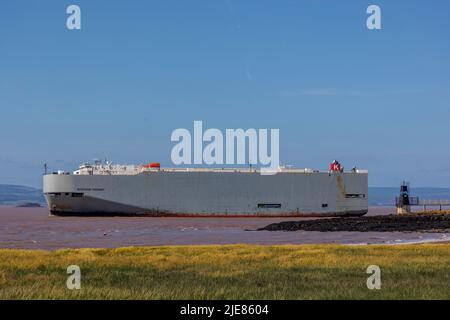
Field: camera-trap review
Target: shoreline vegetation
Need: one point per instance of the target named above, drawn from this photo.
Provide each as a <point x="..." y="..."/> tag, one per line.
<point x="229" y="272"/>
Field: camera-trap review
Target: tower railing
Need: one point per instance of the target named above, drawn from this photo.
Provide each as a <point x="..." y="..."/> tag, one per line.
<point x="413" y="201"/>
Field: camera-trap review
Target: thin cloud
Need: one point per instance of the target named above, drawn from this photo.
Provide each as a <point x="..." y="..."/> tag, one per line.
<point x="322" y="92"/>
<point x="333" y="92"/>
<point x="35" y="164"/>
<point x="248" y="74"/>
<point x="230" y="6"/>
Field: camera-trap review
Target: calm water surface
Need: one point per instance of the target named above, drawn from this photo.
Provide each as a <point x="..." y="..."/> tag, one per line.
<point x="33" y="228"/>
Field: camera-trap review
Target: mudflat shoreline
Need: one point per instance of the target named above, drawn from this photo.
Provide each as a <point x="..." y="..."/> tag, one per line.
<point x="435" y="223"/>
<point x="33" y="228"/>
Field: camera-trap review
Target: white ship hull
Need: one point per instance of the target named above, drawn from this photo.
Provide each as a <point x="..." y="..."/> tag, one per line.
<point x="209" y="193"/>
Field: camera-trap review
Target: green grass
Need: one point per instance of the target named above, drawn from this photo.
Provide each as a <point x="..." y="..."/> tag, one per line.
<point x="229" y="272"/>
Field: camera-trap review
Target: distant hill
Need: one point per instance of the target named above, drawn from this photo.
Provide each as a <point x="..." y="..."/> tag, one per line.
<point x="14" y="194"/>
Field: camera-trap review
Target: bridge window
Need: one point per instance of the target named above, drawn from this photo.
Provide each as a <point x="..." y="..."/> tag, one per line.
<point x="355" y="195"/>
<point x="77" y="194"/>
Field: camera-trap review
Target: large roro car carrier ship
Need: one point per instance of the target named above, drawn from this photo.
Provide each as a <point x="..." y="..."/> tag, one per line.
<point x="106" y="189"/>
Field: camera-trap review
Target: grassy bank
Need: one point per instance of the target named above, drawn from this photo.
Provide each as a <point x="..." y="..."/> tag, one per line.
<point x="229" y="272"/>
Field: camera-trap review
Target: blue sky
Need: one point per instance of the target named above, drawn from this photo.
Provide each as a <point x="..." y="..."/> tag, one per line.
<point x="138" y="70"/>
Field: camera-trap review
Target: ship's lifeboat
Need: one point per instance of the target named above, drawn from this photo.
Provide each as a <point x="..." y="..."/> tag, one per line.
<point x="153" y="165"/>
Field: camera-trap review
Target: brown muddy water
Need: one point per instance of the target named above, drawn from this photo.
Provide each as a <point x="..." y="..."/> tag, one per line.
<point x="33" y="228"/>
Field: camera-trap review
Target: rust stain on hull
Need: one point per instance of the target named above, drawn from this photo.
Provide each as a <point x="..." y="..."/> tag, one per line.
<point x="341" y="185"/>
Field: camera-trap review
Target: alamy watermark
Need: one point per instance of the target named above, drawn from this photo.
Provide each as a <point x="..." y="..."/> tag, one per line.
<point x="73" y="21"/>
<point x="74" y="280"/>
<point x="212" y="147"/>
<point x="374" y="280"/>
<point x="374" y="20"/>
